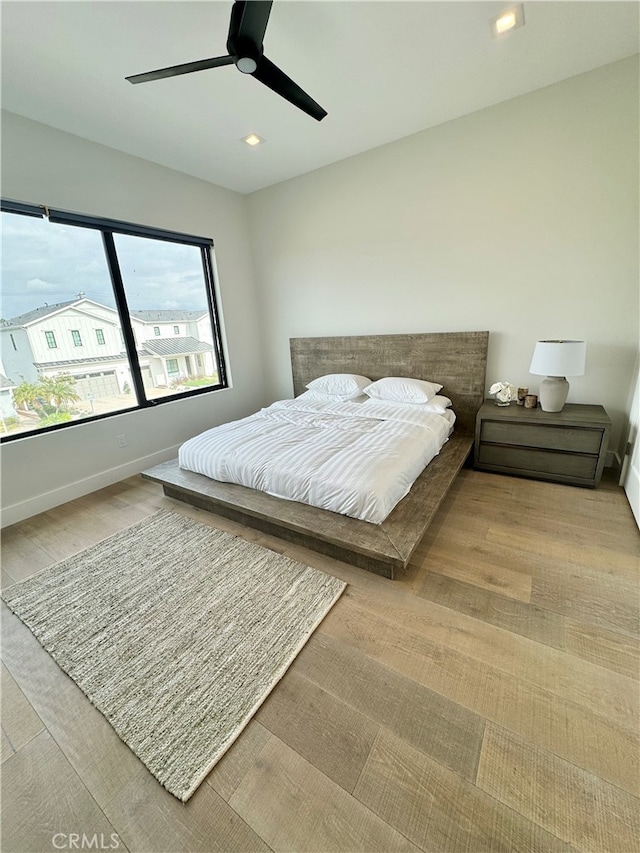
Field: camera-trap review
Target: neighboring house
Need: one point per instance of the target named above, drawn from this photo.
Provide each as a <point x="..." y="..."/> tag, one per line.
<point x="177" y="344"/>
<point x="83" y="338"/>
<point x="171" y="324"/>
<point x="176" y="358"/>
<point x="17" y="355"/>
<point x="7" y="409"/>
<point x="80" y="337"/>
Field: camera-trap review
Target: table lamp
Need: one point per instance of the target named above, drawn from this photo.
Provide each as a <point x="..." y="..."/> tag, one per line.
<point x="556" y="360"/>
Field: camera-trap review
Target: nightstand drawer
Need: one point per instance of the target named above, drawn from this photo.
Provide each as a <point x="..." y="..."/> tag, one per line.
<point x="574" y="439"/>
<point x="539" y="461"/>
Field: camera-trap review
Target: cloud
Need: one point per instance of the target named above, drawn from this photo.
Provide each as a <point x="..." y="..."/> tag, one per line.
<point x="49" y="262"/>
<point x="38" y="285"/>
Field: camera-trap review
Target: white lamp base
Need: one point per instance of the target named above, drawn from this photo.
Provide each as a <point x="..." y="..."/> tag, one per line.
<point x="553" y="393"/>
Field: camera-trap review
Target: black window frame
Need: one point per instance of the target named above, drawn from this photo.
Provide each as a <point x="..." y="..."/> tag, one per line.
<point x="76" y="337"/>
<point x="156" y="331"/>
<point x="100" y="337"/>
<point x="109" y="227"/>
<point x="49" y="337"/>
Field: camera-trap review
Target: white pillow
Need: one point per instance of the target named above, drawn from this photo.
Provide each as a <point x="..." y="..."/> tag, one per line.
<point x="399" y="389"/>
<point x="339" y="383"/>
<point x="410" y="413"/>
<point x="437" y="405"/>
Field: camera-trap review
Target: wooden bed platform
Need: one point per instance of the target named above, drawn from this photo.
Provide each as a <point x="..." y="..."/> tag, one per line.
<point x="456" y="359"/>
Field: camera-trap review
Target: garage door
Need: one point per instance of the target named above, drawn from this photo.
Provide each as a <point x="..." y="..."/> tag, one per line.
<point x="99" y="384"/>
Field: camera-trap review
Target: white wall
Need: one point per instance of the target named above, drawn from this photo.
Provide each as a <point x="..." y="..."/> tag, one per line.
<point x="46" y="166"/>
<point x="521" y="219"/>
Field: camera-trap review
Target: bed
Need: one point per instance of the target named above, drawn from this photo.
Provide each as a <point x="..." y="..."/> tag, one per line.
<point x="455" y="359"/>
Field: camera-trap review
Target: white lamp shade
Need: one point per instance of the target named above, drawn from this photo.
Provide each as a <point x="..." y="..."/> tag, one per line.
<point x="559" y="358"/>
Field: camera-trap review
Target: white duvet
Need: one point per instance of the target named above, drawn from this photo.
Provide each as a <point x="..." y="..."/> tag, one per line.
<point x="357" y="459"/>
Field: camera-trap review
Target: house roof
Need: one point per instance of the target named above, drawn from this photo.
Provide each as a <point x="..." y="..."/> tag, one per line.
<point x="39" y="313"/>
<point x="167" y="316"/>
<point x="159" y="316"/>
<point x="168" y="347"/>
<point x="47" y="310"/>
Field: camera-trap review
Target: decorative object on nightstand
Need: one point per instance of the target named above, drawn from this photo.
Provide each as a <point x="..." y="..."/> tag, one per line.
<point x="504" y="392"/>
<point x="556" y="360"/>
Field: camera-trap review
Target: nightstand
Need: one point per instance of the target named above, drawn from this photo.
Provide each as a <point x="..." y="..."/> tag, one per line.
<point x="565" y="447"/>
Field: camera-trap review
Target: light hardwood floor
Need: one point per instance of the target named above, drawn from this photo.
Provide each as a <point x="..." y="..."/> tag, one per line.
<point x="486" y="700"/>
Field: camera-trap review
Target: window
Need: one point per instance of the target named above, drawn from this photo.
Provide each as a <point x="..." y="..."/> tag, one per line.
<point x="13" y="342"/>
<point x="176" y="330"/>
<point x="59" y="266"/>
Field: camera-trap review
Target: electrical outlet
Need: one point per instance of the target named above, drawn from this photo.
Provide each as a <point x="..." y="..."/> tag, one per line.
<point x="122" y="440"/>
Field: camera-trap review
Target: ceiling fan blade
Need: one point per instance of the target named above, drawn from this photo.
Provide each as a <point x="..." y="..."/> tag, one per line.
<point x="186" y="68"/>
<point x="253" y="23"/>
<point x="277" y="80"/>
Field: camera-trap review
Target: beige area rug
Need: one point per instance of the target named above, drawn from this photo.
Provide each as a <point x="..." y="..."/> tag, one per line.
<point x="177" y="633"/>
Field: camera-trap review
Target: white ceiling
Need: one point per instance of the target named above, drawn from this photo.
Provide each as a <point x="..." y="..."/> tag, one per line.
<point x="383" y="70"/>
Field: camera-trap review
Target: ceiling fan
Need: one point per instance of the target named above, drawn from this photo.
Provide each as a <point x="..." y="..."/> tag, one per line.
<point x="245" y="45"/>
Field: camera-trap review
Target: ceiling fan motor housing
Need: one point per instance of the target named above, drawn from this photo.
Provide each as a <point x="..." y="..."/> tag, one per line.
<point x="245" y="51"/>
<point x="246" y="57"/>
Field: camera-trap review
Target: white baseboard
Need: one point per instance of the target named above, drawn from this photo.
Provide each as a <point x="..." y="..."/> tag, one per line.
<point x="26" y="509"/>
<point x="612" y="460"/>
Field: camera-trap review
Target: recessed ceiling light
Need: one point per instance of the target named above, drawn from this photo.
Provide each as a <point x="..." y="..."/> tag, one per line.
<point x="508" y="20"/>
<point x="252" y="139"/>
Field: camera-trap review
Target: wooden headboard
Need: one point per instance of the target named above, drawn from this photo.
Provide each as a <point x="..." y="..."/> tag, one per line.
<point x="458" y="360"/>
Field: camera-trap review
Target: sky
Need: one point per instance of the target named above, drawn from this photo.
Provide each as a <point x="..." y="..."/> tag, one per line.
<point x="45" y="263"/>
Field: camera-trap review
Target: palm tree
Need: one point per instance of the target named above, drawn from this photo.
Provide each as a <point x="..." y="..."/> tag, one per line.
<point x="59" y="388"/>
<point x="26" y="395"/>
